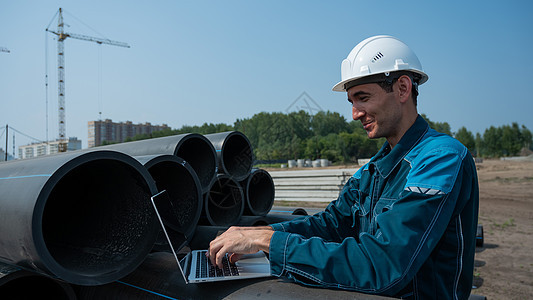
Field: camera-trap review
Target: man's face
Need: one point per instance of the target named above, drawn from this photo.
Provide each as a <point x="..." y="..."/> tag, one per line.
<point x="378" y="111"/>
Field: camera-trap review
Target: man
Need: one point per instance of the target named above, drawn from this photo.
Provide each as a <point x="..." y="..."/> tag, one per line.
<point x="405" y="224"/>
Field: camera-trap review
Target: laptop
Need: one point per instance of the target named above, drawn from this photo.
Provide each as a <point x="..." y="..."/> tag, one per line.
<point x="195" y="267"/>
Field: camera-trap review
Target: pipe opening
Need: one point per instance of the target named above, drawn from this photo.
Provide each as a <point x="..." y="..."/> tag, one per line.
<point x="260" y="193"/>
<point x="182" y="212"/>
<point x="97" y="219"/>
<point x="224" y="202"/>
<point x="237" y="156"/>
<point x="200" y="155"/>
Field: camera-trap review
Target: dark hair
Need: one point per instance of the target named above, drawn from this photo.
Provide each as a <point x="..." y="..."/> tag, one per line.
<point x="387" y="85"/>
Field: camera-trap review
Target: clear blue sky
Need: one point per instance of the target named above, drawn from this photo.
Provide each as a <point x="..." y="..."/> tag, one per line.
<point x="192" y="62"/>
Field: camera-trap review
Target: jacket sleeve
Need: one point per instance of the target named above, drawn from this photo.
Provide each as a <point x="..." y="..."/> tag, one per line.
<point x="385" y="261"/>
<point x="333" y="223"/>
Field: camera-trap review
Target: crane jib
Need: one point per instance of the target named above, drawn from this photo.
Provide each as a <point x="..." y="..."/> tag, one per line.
<point x="62" y="36"/>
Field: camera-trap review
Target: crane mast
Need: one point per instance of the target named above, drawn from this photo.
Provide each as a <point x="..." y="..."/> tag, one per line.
<point x="61" y="37"/>
<point x="61" y="82"/>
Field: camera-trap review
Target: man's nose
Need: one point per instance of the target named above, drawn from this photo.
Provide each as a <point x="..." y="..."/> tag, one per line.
<point x="356" y="113"/>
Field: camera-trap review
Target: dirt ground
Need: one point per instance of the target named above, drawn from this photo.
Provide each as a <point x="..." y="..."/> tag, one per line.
<point x="504" y="265"/>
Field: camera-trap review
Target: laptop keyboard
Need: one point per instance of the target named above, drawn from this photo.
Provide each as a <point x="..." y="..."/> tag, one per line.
<point x="208" y="270"/>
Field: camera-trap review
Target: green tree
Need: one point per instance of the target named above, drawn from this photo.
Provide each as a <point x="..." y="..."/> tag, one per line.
<point x="442" y="127"/>
<point x="492" y="142"/>
<point x="161" y="133"/>
<point x="527" y="138"/>
<point x="357" y="145"/>
<point x="325" y="123"/>
<point x="511" y="140"/>
<point x="300" y="124"/>
<point x="331" y="147"/>
<point x="479" y="145"/>
<point x="276" y="135"/>
<point x="312" y="148"/>
<point x="466" y="138"/>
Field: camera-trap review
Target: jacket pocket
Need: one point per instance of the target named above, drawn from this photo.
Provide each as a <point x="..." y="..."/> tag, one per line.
<point x="383" y="205"/>
<point x="360" y="212"/>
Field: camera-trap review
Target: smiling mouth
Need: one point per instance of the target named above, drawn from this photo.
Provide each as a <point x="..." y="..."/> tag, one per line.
<point x="367" y="125"/>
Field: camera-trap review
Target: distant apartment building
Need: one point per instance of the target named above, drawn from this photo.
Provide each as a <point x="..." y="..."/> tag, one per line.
<point x="100" y="131"/>
<point x="52" y="147"/>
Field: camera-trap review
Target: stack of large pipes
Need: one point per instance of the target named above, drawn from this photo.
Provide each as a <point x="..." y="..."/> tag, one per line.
<point x="238" y="189"/>
<point x="230" y="188"/>
<point x="85" y="217"/>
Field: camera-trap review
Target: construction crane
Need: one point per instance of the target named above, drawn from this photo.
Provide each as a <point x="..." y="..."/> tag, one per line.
<point x="2" y="49"/>
<point x="62" y="36"/>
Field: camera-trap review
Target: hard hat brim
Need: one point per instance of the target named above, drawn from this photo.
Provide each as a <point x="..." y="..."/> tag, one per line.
<point x="340" y="86"/>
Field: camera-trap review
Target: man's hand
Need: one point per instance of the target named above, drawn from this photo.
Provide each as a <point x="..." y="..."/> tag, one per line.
<point x="239" y="241"/>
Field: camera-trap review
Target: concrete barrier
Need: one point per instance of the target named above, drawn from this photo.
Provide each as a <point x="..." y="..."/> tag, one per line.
<point x="321" y="185"/>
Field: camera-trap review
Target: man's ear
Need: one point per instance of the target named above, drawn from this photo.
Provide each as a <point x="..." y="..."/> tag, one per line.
<point x="404" y="88"/>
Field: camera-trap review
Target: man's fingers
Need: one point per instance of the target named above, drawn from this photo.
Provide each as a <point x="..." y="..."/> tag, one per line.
<point x="214" y="249"/>
<point x="219" y="256"/>
<point x="240" y="240"/>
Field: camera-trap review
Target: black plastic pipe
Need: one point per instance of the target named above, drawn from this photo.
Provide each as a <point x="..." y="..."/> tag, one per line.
<point x="158" y="278"/>
<point x="82" y="217"/>
<point x="252" y="221"/>
<point x="194" y="148"/>
<point x="234" y="153"/>
<point x="300" y="212"/>
<point x="224" y="203"/>
<point x="272" y="218"/>
<point x="16" y="283"/>
<point x="176" y="176"/>
<point x="259" y="193"/>
<point x="204" y="234"/>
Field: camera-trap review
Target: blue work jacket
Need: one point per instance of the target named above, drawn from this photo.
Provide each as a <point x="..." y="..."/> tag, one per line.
<point x="404" y="225"/>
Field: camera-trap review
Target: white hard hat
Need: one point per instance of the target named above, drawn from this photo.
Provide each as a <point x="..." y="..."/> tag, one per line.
<point x="381" y="54"/>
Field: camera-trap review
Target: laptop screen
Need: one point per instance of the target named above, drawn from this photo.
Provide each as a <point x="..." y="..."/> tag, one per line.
<point x="156" y="201"/>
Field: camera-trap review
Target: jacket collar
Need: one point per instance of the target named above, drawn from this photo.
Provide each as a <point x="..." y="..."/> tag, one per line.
<point x="386" y="160"/>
